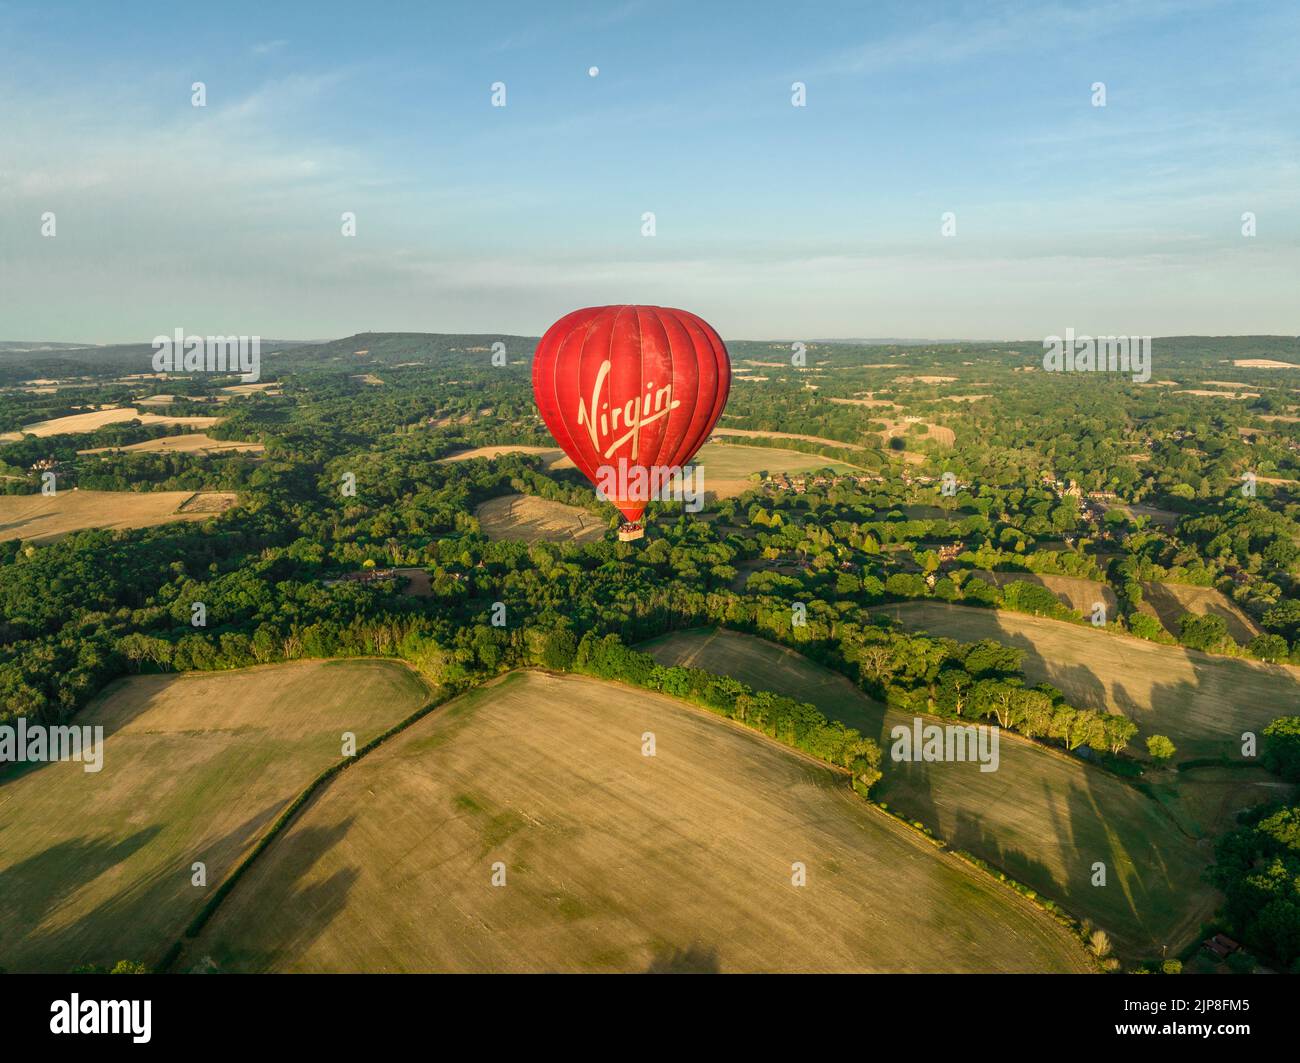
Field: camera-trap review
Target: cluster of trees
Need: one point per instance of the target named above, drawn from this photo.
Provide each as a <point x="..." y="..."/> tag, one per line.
<point x="795" y="723"/>
<point x="980" y="680"/>
<point x="1281" y="754"/>
<point x="1257" y="866"/>
<point x="866" y="542"/>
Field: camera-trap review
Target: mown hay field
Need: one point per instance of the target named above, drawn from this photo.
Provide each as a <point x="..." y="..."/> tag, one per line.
<point x="97" y="867"/>
<point x="1075" y="592"/>
<point x="88" y="422"/>
<point x="45" y="518"/>
<point x="728" y="467"/>
<point x="1043" y="818"/>
<point x="532" y="519"/>
<point x="613" y="860"/>
<point x="1167" y="602"/>
<point x="189" y="443"/>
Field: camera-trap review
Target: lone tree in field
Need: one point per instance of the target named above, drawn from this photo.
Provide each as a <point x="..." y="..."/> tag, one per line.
<point x="1160" y="748"/>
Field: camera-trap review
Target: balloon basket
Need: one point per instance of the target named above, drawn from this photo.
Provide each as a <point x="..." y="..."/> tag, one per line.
<point x="629" y="532"/>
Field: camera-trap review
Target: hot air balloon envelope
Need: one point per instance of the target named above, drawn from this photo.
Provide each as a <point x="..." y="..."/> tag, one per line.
<point x="630" y="393"/>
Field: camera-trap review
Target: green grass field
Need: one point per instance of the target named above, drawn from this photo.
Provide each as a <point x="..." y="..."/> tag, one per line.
<point x="613" y="861"/>
<point x="96" y="868"/>
<point x="1042" y="818"/>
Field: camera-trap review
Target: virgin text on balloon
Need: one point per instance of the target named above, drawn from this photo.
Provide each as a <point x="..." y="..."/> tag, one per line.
<point x="637" y="412"/>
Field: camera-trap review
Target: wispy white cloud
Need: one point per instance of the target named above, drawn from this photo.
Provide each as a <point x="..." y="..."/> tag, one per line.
<point x="983" y="29"/>
<point x="263" y="48"/>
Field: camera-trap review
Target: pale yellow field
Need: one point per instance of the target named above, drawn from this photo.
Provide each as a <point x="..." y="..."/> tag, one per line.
<point x="938" y="433"/>
<point x="267" y="387"/>
<point x="97" y="867"/>
<point x="533" y="519"/>
<point x="728" y="466"/>
<point x="747" y="433"/>
<point x="554" y="458"/>
<point x="88" y="422"/>
<point x="863" y="402"/>
<point x="42" y="519"/>
<point x="613" y="861"/>
<point x="189" y="443"/>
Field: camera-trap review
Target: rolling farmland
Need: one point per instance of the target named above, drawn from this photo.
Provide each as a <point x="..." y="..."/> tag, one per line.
<point x="614" y="861"/>
<point x="1043" y="818"/>
<point x="1203" y="702"/>
<point x="96" y="867"/>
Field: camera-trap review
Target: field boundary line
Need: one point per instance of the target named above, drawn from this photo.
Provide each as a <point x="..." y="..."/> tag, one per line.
<point x="290" y="813"/>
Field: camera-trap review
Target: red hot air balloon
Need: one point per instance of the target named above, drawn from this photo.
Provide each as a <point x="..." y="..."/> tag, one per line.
<point x="630" y="392"/>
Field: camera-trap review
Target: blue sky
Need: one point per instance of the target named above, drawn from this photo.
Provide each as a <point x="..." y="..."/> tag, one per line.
<point x="771" y="220"/>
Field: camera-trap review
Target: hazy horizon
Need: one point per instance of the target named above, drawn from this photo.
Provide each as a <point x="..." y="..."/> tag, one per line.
<point x="883" y="341"/>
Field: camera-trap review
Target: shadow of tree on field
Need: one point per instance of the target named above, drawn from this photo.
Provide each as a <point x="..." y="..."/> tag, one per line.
<point x="151" y="900"/>
<point x="37" y="886"/>
<point x="273" y="913"/>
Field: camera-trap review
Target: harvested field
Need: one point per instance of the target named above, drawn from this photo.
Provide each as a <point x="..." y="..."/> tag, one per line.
<point x="864" y="402"/>
<point x="554" y="457"/>
<point x="936" y="433"/>
<point x="88" y="422"/>
<point x="42" y="519"/>
<point x="1207" y="800"/>
<point x="613" y="861"/>
<point x="270" y="387"/>
<point x="534" y="519"/>
<point x="96" y="867"/>
<point x="728" y="466"/>
<point x="747" y="433"/>
<point x="1074" y="592"/>
<point x="1041" y="817"/>
<point x="1167" y="602"/>
<point x="189" y="443"/>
